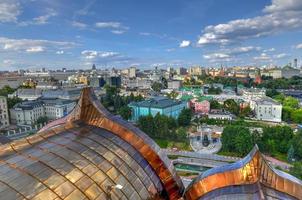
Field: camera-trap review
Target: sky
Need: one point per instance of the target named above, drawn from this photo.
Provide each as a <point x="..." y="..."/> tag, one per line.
<point x="143" y="33"/>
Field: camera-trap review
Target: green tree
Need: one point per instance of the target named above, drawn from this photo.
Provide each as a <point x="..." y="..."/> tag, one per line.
<point x="42" y="120"/>
<point x="6" y="90"/>
<point x="291" y="102"/>
<point x="13" y="101"/>
<point x="232" y="106"/>
<point x="245" y="112"/>
<point x="296" y="170"/>
<point x="297" y="145"/>
<point x="157" y="87"/>
<point x="296" y="116"/>
<point x="215" y="104"/>
<point x="181" y="133"/>
<point x="184" y="118"/>
<point x="236" y="139"/>
<point x="125" y="112"/>
<point x="291" y="154"/>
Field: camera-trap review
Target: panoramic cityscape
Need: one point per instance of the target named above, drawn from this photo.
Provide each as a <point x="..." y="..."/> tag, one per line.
<point x="136" y="99"/>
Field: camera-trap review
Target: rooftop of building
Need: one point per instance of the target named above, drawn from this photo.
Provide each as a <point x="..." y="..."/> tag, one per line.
<point x="156" y="102"/>
<point x="267" y="101"/>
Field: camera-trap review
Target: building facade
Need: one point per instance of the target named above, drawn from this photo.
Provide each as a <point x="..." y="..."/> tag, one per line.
<point x="268" y="110"/>
<point x="156" y="105"/>
<point x="28" y="112"/>
<point x="4" y="118"/>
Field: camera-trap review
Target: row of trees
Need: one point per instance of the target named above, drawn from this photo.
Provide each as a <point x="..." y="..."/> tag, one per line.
<point x="281" y="83"/>
<point x="165" y="127"/>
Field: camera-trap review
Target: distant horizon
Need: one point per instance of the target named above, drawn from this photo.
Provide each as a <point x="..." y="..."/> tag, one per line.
<point x="121" y="34"/>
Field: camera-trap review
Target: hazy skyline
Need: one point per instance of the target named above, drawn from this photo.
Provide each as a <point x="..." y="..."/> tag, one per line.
<point x="77" y="33"/>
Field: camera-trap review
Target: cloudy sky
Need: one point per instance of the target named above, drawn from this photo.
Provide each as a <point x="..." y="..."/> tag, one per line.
<point x="120" y="33"/>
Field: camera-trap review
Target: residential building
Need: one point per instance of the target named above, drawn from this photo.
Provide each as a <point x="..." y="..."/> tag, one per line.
<point x="28" y="112"/>
<point x="268" y="110"/>
<point x="132" y="72"/>
<point x="202" y="107"/>
<point x="195" y="71"/>
<point x="174" y="84"/>
<point x="27" y="94"/>
<point x="250" y="94"/>
<point x="161" y="105"/>
<point x="4" y="118"/>
<point x="181" y="71"/>
<point x="220" y="114"/>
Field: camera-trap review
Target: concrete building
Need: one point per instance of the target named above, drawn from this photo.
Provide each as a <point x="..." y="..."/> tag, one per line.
<point x="132" y="72"/>
<point x="252" y="94"/>
<point x="4" y="118"/>
<point x="156" y="105"/>
<point x="174" y="84"/>
<point x="28" y="112"/>
<point x="220" y="114"/>
<point x="27" y="94"/>
<point x="181" y="71"/>
<point x="268" y="110"/>
<point x="202" y="107"/>
<point x="195" y="71"/>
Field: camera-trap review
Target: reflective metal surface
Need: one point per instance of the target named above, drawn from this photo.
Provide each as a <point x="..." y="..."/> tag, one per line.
<point x="82" y="156"/>
<point x="253" y="169"/>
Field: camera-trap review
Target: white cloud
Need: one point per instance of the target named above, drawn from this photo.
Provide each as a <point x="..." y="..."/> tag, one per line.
<point x="269" y="50"/>
<point x="41" y="20"/>
<point x="116" y="27"/>
<point x="271" y="22"/>
<point x="108" y="24"/>
<point x="118" y="32"/>
<point x="216" y="56"/>
<point x="90" y="54"/>
<point x="184" y="43"/>
<point x="262" y="57"/>
<point x="299" y="46"/>
<point x="79" y="25"/>
<point x="281" y="55"/>
<point x="283" y="5"/>
<point x="32" y="46"/>
<point x="9" y="10"/>
<point x="35" y="49"/>
<point x="170" y="50"/>
<point x="8" y="62"/>
<point x="60" y="52"/>
<point x="145" y="33"/>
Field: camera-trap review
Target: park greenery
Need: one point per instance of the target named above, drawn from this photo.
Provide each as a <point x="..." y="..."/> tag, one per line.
<point x="294" y="82"/>
<point x="291" y="110"/>
<point x="166" y="128"/>
<point x="278" y="141"/>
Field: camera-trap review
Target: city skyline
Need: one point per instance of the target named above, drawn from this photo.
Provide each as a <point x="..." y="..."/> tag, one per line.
<point x="76" y="34"/>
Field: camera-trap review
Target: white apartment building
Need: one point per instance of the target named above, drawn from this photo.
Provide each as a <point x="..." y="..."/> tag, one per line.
<point x="29" y="112"/>
<point x="4" y="119"/>
<point x="268" y="110"/>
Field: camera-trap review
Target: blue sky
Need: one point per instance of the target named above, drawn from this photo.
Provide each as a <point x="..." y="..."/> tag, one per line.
<point x="121" y="33"/>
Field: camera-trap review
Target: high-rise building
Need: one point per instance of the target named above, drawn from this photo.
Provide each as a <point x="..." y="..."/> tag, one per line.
<point x="93" y="67"/>
<point x="4" y="119"/>
<point x="295" y="63"/>
<point x="132" y="72"/>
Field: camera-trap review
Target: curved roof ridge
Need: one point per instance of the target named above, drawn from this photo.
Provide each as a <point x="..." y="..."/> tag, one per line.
<point x="251" y="169"/>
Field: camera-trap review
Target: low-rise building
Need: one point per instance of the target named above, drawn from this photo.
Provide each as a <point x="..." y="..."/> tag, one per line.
<point x="161" y="105"/>
<point x="268" y="110"/>
<point x="27" y="94"/>
<point x="4" y="118"/>
<point x="202" y="107"/>
<point x="174" y="84"/>
<point x="28" y="112"/>
<point x="220" y="114"/>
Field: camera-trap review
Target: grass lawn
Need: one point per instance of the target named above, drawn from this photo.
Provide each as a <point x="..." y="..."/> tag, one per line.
<point x="164" y="143"/>
<point x="226" y="153"/>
